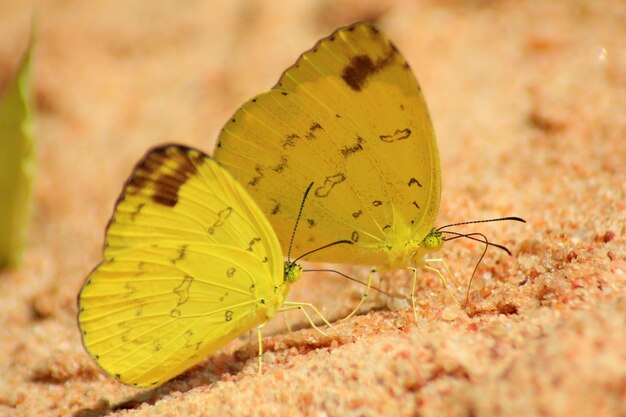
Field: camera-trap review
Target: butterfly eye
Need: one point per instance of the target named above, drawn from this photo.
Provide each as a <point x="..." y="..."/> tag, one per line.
<point x="293" y="272"/>
<point x="433" y="241"/>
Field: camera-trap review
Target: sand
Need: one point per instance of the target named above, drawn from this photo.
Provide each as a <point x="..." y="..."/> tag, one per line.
<point x="528" y="101"/>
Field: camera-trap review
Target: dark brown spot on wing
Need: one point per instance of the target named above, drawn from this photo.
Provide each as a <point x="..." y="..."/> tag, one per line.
<point x="397" y="135"/>
<point x="182" y="290"/>
<point x="349" y="150"/>
<point x="310" y="135"/>
<point x="134" y="214"/>
<point x="255" y="180"/>
<point x="276" y="208"/>
<point x="414" y="181"/>
<point x="361" y="67"/>
<point x="280" y="166"/>
<point x="165" y="194"/>
<point x="289" y="140"/>
<point x="222" y="216"/>
<point x="329" y="183"/>
<point x="357" y="71"/>
<point x="146" y="179"/>
<point x="182" y="252"/>
<point x="253" y="242"/>
<point x="163" y="171"/>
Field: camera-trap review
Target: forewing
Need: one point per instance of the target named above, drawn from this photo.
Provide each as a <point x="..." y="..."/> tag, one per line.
<point x="349" y="116"/>
<point x="179" y="196"/>
<point x="149" y="313"/>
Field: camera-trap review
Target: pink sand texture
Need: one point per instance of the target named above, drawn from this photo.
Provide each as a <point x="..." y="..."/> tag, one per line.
<point x="528" y="101"/>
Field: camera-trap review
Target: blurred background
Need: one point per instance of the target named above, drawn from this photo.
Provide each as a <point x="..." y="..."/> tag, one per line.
<point x="527" y="99"/>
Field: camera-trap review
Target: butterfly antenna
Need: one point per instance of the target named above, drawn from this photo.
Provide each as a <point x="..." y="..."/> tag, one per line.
<point x="470" y="236"/>
<point x="499" y="219"/>
<point x="339" y="242"/>
<point x="346" y="276"/>
<point x="295" y="227"/>
<point x="487" y="244"/>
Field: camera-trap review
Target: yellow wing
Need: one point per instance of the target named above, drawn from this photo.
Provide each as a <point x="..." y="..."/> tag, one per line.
<point x="190" y="263"/>
<point x="350" y="116"/>
<point x="177" y="194"/>
<point x="148" y="314"/>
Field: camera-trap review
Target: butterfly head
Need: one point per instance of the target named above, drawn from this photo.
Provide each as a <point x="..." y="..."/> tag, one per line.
<point x="433" y="241"/>
<point x="293" y="271"/>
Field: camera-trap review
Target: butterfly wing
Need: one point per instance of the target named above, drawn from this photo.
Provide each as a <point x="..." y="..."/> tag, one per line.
<point x="188" y="259"/>
<point x="350" y="116"/>
<point x="179" y="195"/>
<point x="149" y="314"/>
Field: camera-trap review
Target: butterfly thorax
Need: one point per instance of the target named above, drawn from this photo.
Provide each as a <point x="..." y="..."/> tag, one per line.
<point x="269" y="304"/>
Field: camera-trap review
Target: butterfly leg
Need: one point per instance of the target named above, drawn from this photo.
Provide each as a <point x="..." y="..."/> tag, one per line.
<point x="413" y="285"/>
<point x="365" y="294"/>
<point x="441" y="277"/>
<point x="258" y="331"/>
<point x="445" y="266"/>
<point x="287" y="323"/>
<point x="288" y="305"/>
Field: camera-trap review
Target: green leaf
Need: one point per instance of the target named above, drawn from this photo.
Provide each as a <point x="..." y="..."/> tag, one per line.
<point x="17" y="160"/>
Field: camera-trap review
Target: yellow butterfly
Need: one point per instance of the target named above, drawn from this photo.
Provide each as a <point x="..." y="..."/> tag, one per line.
<point x="349" y="116"/>
<point x="190" y="263"/>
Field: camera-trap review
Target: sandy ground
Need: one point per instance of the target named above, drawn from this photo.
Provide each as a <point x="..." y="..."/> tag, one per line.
<point x="528" y="102"/>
